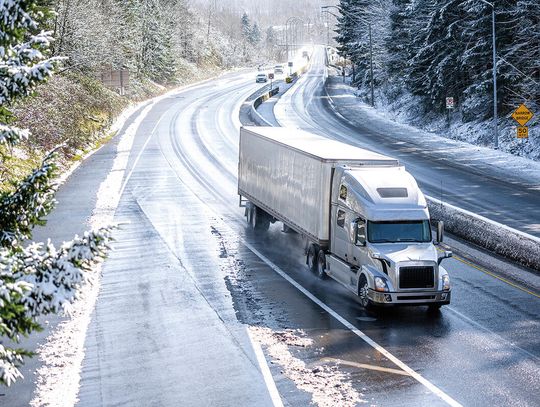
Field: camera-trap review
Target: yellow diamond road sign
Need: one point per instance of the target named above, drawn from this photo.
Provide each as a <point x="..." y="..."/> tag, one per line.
<point x="522" y="115"/>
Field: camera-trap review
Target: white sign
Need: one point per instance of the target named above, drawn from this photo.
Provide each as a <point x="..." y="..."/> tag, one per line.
<point x="450" y="103"/>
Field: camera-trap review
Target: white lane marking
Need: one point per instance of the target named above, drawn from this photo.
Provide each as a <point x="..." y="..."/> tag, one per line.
<point x="141" y="151"/>
<point x="434" y="389"/>
<point x="265" y="370"/>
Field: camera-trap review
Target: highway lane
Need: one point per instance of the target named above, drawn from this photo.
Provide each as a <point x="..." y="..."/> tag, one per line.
<point x="186" y="278"/>
<point x="464" y="182"/>
<point x="482" y="350"/>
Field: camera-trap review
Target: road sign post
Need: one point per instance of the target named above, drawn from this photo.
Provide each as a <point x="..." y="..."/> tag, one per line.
<point x="522" y="115"/>
<point x="449" y="106"/>
<point x="271" y="77"/>
<point x="522" y="132"/>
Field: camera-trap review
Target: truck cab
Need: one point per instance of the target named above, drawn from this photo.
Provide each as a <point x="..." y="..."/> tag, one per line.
<point x="381" y="246"/>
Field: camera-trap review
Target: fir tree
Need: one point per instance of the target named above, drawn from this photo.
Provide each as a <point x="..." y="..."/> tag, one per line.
<point x="35" y="278"/>
<point x="436" y="71"/>
<point x="255" y="35"/>
<point x="398" y="41"/>
<point x="246" y="27"/>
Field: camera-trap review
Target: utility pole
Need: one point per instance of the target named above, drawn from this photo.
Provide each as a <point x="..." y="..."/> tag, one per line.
<point x="494" y="58"/>
<point x="371" y="67"/>
<point x="495" y="119"/>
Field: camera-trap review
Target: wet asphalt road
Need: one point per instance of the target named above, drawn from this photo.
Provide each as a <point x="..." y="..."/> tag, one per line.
<point x="466" y="183"/>
<point x="184" y="219"/>
<point x="187" y="276"/>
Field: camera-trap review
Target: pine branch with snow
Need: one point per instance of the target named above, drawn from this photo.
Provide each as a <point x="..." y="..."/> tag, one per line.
<point x="36" y="279"/>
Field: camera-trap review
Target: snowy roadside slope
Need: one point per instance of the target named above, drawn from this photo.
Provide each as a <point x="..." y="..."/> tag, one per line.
<point x="491" y="162"/>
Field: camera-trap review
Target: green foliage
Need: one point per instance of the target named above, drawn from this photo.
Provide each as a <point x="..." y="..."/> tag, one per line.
<point x="35" y="279"/>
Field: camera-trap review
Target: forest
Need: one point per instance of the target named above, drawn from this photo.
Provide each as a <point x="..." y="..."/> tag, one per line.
<point x="423" y="51"/>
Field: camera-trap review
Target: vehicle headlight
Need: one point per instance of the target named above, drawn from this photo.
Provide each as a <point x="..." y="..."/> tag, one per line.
<point x="445" y="282"/>
<point x="380" y="284"/>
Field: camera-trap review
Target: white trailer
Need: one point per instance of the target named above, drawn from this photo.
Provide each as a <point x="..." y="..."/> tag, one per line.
<point x="365" y="220"/>
<point x="288" y="174"/>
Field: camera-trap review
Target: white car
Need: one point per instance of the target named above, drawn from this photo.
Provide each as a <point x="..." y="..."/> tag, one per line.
<point x="261" y="77"/>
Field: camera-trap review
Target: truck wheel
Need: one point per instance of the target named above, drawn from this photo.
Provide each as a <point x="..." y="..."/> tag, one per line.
<point x="311" y="260"/>
<point x="363" y="289"/>
<point x="260" y="220"/>
<point x="249" y="213"/>
<point x="321" y="265"/>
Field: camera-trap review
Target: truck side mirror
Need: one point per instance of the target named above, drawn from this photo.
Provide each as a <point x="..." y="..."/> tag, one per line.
<point x="440" y="232"/>
<point x="446" y="255"/>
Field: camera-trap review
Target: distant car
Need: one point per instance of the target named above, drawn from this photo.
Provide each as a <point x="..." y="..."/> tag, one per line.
<point x="261" y="77"/>
<point x="278" y="69"/>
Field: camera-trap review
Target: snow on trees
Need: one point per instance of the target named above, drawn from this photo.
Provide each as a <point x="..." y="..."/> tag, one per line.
<point x="439" y="48"/>
<point x="35" y="278"/>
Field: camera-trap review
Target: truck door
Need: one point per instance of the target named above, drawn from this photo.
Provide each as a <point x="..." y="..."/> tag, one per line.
<point x="357" y="247"/>
<point x="340" y="238"/>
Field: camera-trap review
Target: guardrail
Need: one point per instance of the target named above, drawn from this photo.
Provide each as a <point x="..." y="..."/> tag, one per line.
<point x="254" y="114"/>
<point x="496" y="237"/>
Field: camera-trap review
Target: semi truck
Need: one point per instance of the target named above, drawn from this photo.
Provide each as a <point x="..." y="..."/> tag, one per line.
<point x="364" y="220"/>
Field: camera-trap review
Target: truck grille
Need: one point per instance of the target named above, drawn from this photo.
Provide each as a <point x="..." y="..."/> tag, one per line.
<point x="416" y="277"/>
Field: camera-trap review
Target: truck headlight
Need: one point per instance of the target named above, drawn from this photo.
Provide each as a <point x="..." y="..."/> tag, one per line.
<point x="380" y="284"/>
<point x="445" y="282"/>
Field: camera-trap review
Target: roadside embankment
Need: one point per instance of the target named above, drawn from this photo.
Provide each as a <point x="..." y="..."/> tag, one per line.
<point x="495" y="237"/>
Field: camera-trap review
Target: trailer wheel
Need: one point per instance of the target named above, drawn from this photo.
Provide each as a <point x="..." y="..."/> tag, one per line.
<point x="321" y="265"/>
<point x="311" y="259"/>
<point x="249" y="213"/>
<point x="259" y="220"/>
<point x="363" y="289"/>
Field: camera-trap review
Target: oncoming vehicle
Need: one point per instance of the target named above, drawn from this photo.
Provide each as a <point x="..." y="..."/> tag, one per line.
<point x="261" y="77"/>
<point x="279" y="69"/>
<point x="363" y="218"/>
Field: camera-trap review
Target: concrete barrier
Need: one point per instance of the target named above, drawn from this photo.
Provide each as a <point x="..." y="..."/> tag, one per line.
<point x="254" y="114"/>
<point x="496" y="237"/>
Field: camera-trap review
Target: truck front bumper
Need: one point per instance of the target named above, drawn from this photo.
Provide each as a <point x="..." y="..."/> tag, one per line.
<point x="410" y="298"/>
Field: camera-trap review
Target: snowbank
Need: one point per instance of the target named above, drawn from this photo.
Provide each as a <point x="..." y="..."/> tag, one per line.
<point x="496" y="237"/>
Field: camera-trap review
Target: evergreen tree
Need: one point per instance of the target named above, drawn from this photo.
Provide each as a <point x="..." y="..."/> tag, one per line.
<point x="346" y="29"/>
<point x="517" y="57"/>
<point x="398" y="41"/>
<point x="246" y="27"/>
<point x="246" y="34"/>
<point x="255" y="35"/>
<point x="35" y="279"/>
<point x="436" y="70"/>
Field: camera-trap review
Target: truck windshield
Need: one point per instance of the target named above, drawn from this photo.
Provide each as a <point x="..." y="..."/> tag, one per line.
<point x="404" y="231"/>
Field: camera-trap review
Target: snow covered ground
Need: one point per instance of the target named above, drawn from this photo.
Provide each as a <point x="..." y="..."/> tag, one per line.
<point x="405" y="108"/>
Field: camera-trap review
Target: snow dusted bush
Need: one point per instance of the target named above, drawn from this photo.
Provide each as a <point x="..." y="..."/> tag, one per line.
<point x="35" y="279"/>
